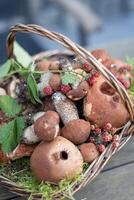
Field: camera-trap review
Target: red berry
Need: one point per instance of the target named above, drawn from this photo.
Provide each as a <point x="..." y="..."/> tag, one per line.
<point x="128" y="68"/>
<point x="113" y="130"/>
<point x="48" y="90"/>
<point x="87" y="67"/>
<point x="91" y="139"/>
<point x="97" y="131"/>
<point x="106" y="137"/>
<point x="101" y="148"/>
<point x="96" y="74"/>
<point x="91" y="80"/>
<point x="115" y="138"/>
<point x="108" y="127"/>
<point x="65" y="88"/>
<point x="124" y="82"/>
<point x="115" y="145"/>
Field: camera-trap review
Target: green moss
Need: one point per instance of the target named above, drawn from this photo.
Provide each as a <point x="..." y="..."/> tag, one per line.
<point x="19" y="172"/>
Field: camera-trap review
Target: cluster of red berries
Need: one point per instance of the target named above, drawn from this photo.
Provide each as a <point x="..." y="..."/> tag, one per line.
<point x="102" y="137"/>
<point x="124" y="82"/>
<point x="93" y="74"/>
<point x="63" y="88"/>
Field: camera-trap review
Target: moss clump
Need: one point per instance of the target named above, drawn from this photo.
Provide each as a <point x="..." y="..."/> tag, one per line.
<point x="19" y="172"/>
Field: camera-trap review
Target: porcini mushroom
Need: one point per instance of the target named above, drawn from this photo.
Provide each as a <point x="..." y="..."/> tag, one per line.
<point x="101" y="55"/>
<point x="89" y="152"/>
<point x="78" y="93"/>
<point x="56" y="160"/>
<point x="77" y="131"/>
<point x="55" y="82"/>
<point x="2" y="92"/>
<point x="104" y="105"/>
<point x="64" y="107"/>
<point x="46" y="65"/>
<point x="46" y="127"/>
<point x="11" y="89"/>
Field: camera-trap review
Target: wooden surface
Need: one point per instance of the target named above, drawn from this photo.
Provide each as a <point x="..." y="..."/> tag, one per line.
<point x="116" y="182"/>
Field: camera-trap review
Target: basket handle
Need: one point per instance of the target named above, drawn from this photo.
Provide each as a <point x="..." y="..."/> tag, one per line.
<point x="77" y="49"/>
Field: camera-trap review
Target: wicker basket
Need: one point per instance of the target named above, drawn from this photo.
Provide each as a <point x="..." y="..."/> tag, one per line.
<point x="125" y="134"/>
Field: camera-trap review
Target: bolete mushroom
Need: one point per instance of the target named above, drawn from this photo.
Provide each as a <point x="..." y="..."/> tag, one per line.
<point x="2" y="92"/>
<point x="89" y="152"/>
<point x="78" y="93"/>
<point x="56" y="160"/>
<point x="55" y="82"/>
<point x="46" y="65"/>
<point x="64" y="107"/>
<point x="101" y="55"/>
<point x="46" y="127"/>
<point x="77" y="131"/>
<point x="11" y="89"/>
<point x="104" y="105"/>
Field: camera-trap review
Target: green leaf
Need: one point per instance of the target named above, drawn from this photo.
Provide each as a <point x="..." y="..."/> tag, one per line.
<point x="8" y="136"/>
<point x="9" y="106"/>
<point x="33" y="90"/>
<point x="22" y="55"/>
<point x="5" y="68"/>
<point x="20" y="125"/>
<point x="70" y="78"/>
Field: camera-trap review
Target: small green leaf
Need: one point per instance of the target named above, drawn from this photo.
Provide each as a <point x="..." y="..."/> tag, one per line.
<point x="9" y="106"/>
<point x="8" y="136"/>
<point x="70" y="78"/>
<point x="22" y="55"/>
<point x="33" y="90"/>
<point x="5" y="68"/>
<point x="20" y="125"/>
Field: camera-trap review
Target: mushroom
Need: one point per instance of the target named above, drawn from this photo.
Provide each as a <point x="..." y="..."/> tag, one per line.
<point x="46" y="65"/>
<point x="29" y="136"/>
<point x="101" y="55"/>
<point x="89" y="152"/>
<point x="56" y="160"/>
<point x="78" y="93"/>
<point x="55" y="82"/>
<point x="22" y="150"/>
<point x="2" y="92"/>
<point x="77" y="131"/>
<point x="64" y="107"/>
<point x="47" y="104"/>
<point x="47" y="126"/>
<point x="103" y="105"/>
<point x="12" y="87"/>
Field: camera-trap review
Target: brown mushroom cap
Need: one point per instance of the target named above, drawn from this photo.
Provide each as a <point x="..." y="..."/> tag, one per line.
<point x="55" y="82"/>
<point x="101" y="54"/>
<point x="47" y="126"/>
<point x="89" y="152"/>
<point x="46" y="65"/>
<point x="56" y="160"/>
<point x="104" y="105"/>
<point x="77" y="131"/>
<point x="79" y="92"/>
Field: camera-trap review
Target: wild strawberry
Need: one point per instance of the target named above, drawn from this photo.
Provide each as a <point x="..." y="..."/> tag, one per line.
<point x="87" y="67"/>
<point x="97" y="131"/>
<point x="108" y="127"/>
<point x="48" y="90"/>
<point x="115" y="145"/>
<point x="106" y="137"/>
<point x="96" y="74"/>
<point x="92" y="139"/>
<point x="101" y="148"/>
<point x="91" y="80"/>
<point x="113" y="130"/>
<point x="65" y="88"/>
<point x="115" y="138"/>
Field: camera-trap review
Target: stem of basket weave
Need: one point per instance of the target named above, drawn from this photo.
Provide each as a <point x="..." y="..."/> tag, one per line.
<point x="78" y="50"/>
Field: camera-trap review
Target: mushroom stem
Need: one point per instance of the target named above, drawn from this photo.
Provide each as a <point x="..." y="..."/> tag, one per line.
<point x="66" y="108"/>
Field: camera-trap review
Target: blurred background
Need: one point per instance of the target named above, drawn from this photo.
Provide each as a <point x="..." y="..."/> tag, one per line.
<point x="94" y="24"/>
